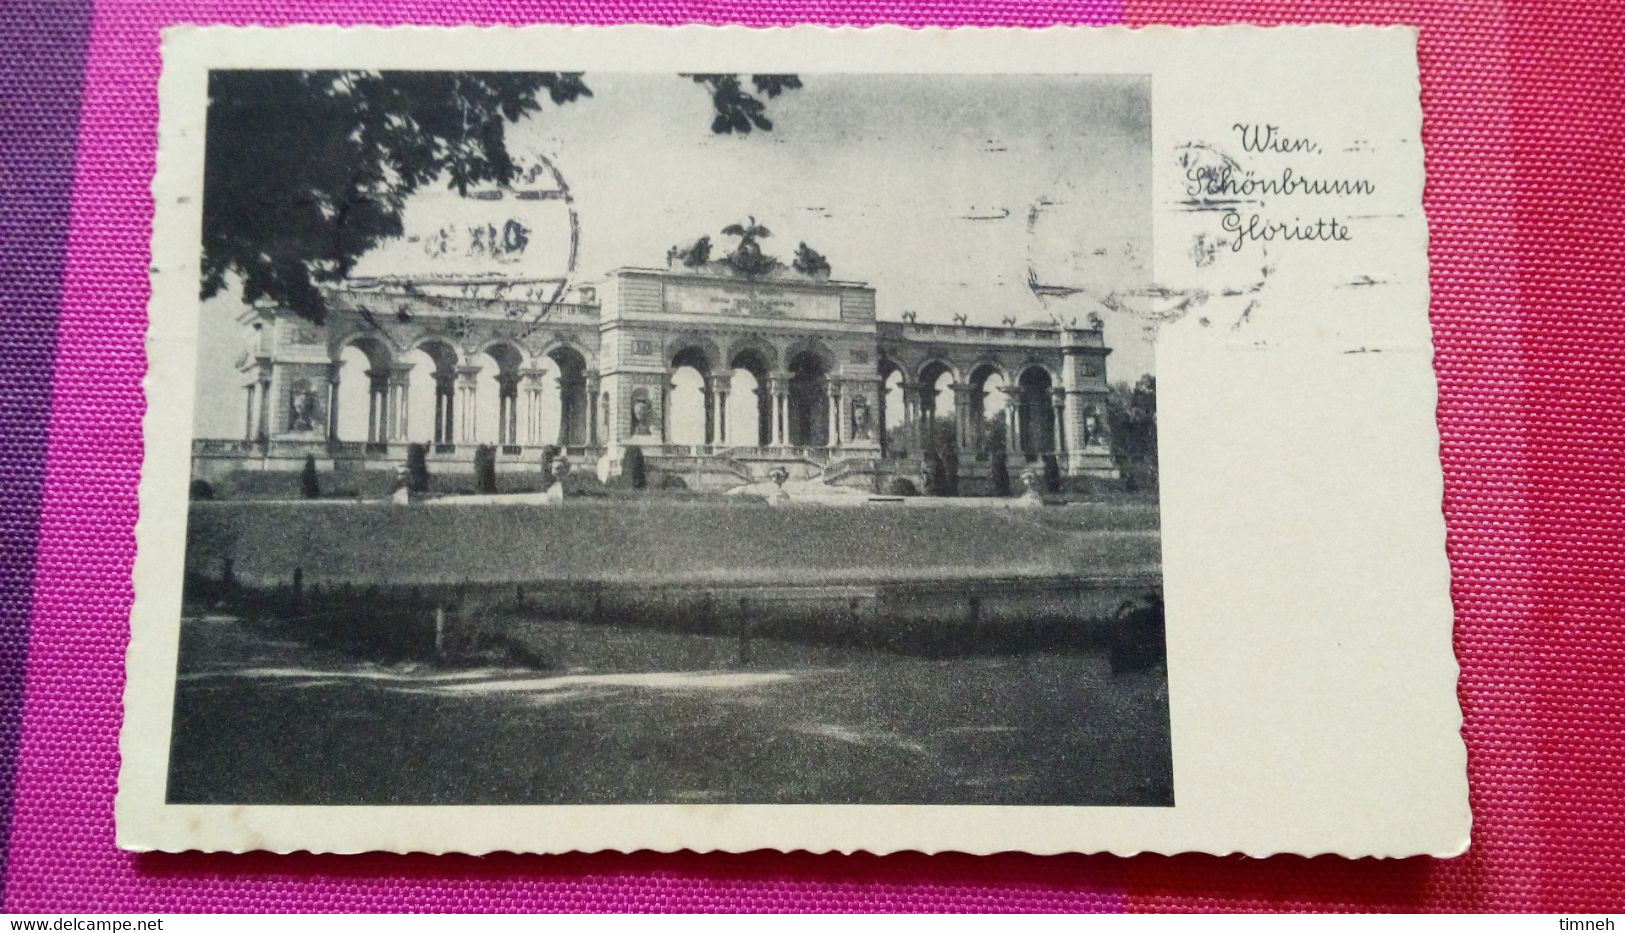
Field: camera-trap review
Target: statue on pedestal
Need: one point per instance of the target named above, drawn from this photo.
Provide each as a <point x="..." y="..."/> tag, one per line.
<point x="779" y="475"/>
<point x="1032" y="482"/>
<point x="642" y="414"/>
<point x="862" y="419"/>
<point x="402" y="492"/>
<point x="560" y="469"/>
<point x="1095" y="433"/>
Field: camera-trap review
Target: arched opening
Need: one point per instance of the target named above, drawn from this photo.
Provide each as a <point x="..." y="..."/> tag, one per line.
<point x="809" y="400"/>
<point x="937" y="405"/>
<point x="1036" y="418"/>
<point x="987" y="415"/>
<point x="497" y="393"/>
<point x="563" y="410"/>
<point x="750" y="401"/>
<point x="431" y="394"/>
<point x="363" y="397"/>
<point x="893" y="409"/>
<point x="689" y="411"/>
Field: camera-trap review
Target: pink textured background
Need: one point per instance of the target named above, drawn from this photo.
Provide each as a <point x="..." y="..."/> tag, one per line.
<point x="1522" y="131"/>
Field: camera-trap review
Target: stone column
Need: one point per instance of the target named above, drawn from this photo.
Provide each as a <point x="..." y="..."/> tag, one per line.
<point x="925" y="413"/>
<point x="400" y="376"/>
<point x="265" y="408"/>
<point x="591" y="383"/>
<point x="533" y="385"/>
<point x="962" y="415"/>
<point x="832" y="433"/>
<point x="378" y="413"/>
<point x="663" y="405"/>
<point x="779" y="386"/>
<point x="508" y="408"/>
<point x="1058" y="396"/>
<point x="467" y="410"/>
<point x="445" y="390"/>
<point x="248" y="411"/>
<point x="333" y="400"/>
<point x="1012" y="409"/>
<point x="908" y="432"/>
<point x="719" y="385"/>
<point x="708" y="412"/>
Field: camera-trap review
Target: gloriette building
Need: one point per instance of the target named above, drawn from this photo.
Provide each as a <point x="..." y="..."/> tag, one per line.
<point x="594" y="375"/>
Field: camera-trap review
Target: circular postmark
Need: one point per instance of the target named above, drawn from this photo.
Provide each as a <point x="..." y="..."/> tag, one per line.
<point x="494" y="248"/>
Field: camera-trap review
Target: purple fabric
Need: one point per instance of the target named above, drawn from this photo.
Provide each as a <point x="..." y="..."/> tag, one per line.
<point x="39" y="101"/>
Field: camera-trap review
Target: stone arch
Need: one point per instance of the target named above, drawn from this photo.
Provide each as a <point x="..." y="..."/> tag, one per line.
<point x="810" y="347"/>
<point x="379" y="349"/>
<point x="1035" y="411"/>
<point x="809" y="365"/>
<point x="508" y="353"/>
<point x="366" y="399"/>
<point x="550" y="350"/>
<point x="700" y="352"/>
<point x="497" y="389"/>
<point x="567" y="380"/>
<point x="936" y="365"/>
<point x="439" y="347"/>
<point x="553" y="342"/>
<point x="984" y="366"/>
<point x="893" y="416"/>
<point x="750" y="364"/>
<point x="750" y="345"/>
<point x="431" y="390"/>
<point x="936" y="395"/>
<point x="1052" y="373"/>
<point x="689" y="414"/>
<point x="987" y="381"/>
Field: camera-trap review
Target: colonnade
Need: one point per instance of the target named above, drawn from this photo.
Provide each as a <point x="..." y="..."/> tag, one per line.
<point x="837" y="398"/>
<point x="456" y="407"/>
<point x="1020" y="404"/>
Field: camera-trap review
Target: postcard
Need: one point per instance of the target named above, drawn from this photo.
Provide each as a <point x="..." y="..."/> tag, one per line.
<point x="829" y="439"/>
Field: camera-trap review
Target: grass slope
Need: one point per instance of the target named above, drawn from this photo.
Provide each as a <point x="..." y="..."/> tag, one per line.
<point x="660" y="542"/>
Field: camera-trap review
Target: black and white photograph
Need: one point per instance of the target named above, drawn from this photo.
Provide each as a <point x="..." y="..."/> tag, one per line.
<point x="669" y="438"/>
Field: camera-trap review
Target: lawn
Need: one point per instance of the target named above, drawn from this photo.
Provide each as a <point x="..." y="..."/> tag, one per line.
<point x="663" y="542"/>
<point x="658" y="710"/>
<point x="615" y="715"/>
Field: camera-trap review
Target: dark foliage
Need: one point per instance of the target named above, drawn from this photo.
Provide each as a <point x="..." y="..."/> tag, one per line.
<point x="305" y="171"/>
<point x="417" y="467"/>
<point x="1138" y="634"/>
<point x="943" y="441"/>
<point x="739" y="110"/>
<point x="936" y="474"/>
<point x="309" y="485"/>
<point x="673" y="481"/>
<point x="200" y="490"/>
<point x="999" y="466"/>
<point x="485" y="468"/>
<point x="902" y="486"/>
<point x="550" y="453"/>
<point x="1052" y="473"/>
<point x="1131" y="416"/>
<point x="633" y="467"/>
